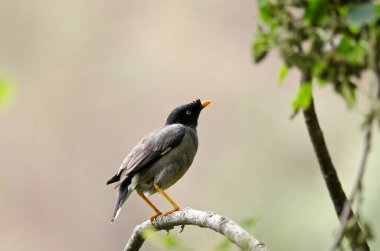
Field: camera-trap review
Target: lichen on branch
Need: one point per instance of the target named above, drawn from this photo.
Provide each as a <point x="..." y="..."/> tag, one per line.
<point x="187" y="216"/>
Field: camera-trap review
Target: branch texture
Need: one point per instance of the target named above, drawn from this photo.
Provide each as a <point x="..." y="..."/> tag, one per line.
<point x="329" y="173"/>
<point x="188" y="216"/>
<point x="368" y="126"/>
<point x="356" y="189"/>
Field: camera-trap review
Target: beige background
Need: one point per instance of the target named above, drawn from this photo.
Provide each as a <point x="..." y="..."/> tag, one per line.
<point x="94" y="76"/>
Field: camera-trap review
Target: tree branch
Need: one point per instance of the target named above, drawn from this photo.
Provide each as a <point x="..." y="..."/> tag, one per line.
<point x="329" y="173"/>
<point x="368" y="126"/>
<point x="188" y="216"/>
<point x="356" y="189"/>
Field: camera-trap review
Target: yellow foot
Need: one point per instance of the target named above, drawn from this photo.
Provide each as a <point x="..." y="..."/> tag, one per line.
<point x="154" y="216"/>
<point x="171" y="211"/>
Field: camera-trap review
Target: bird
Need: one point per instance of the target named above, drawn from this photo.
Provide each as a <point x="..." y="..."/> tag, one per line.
<point x="160" y="159"/>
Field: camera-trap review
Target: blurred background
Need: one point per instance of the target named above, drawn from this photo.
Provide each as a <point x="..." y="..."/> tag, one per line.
<point x="91" y="78"/>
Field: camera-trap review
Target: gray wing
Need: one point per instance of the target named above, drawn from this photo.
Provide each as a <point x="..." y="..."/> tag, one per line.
<point x="152" y="147"/>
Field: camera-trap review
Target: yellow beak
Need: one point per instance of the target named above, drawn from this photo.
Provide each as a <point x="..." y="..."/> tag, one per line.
<point x="206" y="103"/>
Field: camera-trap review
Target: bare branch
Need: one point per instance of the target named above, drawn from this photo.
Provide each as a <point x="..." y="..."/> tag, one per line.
<point x="328" y="170"/>
<point x="368" y="126"/>
<point x="357" y="187"/>
<point x="187" y="216"/>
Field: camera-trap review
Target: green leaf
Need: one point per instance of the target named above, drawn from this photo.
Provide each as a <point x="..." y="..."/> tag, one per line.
<point x="377" y="9"/>
<point x="259" y="51"/>
<point x="361" y="14"/>
<point x="354" y="28"/>
<point x="315" y="11"/>
<point x="349" y="94"/>
<point x="319" y="68"/>
<point x="345" y="45"/>
<point x="265" y="9"/>
<point x="358" y="54"/>
<point x="6" y="91"/>
<point x="282" y="74"/>
<point x="260" y="46"/>
<point x="304" y="97"/>
<point x="351" y="50"/>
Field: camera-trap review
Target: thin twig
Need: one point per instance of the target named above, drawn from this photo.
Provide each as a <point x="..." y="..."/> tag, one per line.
<point x="368" y="126"/>
<point x="187" y="216"/>
<point x="328" y="170"/>
<point x="357" y="187"/>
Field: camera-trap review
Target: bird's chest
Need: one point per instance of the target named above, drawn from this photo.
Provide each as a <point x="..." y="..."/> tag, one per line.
<point x="179" y="159"/>
<point x="174" y="164"/>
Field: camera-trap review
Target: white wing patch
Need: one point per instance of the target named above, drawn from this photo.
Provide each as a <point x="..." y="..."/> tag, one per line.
<point x="166" y="151"/>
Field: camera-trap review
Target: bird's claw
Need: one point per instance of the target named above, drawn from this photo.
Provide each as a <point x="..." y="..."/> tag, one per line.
<point x="171" y="211"/>
<point x="154" y="216"/>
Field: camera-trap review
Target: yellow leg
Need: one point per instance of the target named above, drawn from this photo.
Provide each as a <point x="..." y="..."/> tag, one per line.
<point x="175" y="206"/>
<point x="157" y="212"/>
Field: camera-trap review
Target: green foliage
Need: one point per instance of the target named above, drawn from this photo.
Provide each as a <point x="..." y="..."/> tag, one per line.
<point x="224" y="245"/>
<point x="249" y="224"/>
<point x="282" y="74"/>
<point x="329" y="41"/>
<point x="165" y="242"/>
<point x="6" y="91"/>
<point x="315" y="11"/>
<point x="303" y="99"/>
<point x="265" y="10"/>
<point x="261" y="46"/>
<point x="349" y="94"/>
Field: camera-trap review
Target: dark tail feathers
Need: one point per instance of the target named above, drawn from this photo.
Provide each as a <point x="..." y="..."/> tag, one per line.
<point x="114" y="179"/>
<point x="124" y="193"/>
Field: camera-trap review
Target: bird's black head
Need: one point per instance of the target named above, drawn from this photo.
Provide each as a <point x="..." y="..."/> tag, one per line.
<point x="187" y="114"/>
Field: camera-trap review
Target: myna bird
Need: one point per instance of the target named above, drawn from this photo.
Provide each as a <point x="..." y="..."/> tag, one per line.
<point x="160" y="159"/>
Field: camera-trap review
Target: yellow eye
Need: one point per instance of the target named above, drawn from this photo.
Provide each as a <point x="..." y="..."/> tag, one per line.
<point x="188" y="112"/>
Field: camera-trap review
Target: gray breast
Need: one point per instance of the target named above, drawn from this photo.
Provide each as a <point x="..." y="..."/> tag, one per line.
<point x="171" y="166"/>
